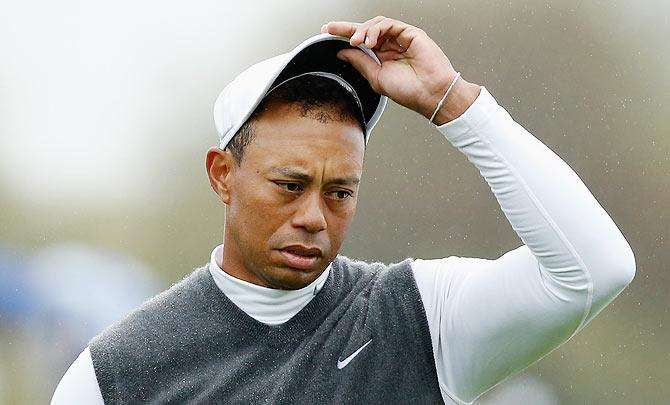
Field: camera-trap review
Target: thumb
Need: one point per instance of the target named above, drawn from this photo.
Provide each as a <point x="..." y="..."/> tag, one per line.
<point x="365" y="65"/>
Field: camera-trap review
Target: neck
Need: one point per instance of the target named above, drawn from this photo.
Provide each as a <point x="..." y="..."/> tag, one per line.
<point x="266" y="305"/>
<point x="233" y="263"/>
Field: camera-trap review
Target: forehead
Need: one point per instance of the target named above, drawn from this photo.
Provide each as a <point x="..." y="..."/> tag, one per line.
<point x="285" y="135"/>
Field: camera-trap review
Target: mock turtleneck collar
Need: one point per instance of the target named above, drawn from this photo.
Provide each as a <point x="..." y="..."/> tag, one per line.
<point x="268" y="305"/>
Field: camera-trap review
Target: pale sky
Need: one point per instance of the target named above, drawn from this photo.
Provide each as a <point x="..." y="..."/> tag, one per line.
<point x="86" y="87"/>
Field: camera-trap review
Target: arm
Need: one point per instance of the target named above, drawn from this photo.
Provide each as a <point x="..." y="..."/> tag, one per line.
<point x="79" y="384"/>
<point x="491" y="318"/>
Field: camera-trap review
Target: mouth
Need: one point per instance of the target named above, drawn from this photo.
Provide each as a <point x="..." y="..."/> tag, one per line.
<point x="301" y="257"/>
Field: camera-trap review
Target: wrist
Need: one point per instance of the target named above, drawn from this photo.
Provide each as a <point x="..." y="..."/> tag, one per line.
<point x="461" y="96"/>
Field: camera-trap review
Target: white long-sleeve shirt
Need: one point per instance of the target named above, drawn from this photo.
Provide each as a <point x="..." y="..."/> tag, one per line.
<point x="488" y="318"/>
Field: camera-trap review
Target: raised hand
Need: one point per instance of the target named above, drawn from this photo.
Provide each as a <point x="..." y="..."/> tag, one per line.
<point x="414" y="73"/>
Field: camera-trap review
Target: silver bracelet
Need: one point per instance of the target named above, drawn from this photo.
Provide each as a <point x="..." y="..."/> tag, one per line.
<point x="439" y="105"/>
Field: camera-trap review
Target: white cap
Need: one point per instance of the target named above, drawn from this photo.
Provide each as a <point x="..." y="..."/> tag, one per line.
<point x="315" y="56"/>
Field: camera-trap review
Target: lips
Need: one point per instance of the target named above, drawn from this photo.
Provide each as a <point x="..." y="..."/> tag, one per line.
<point x="301" y="257"/>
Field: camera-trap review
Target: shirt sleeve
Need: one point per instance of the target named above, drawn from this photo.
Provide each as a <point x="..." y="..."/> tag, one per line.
<point x="489" y="319"/>
<point x="79" y="384"/>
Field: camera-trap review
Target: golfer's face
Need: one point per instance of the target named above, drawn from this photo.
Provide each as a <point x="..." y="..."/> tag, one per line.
<point x="293" y="196"/>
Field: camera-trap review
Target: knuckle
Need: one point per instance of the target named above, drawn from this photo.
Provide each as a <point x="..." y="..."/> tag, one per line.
<point x="397" y="22"/>
<point x="418" y="30"/>
<point x="375" y="20"/>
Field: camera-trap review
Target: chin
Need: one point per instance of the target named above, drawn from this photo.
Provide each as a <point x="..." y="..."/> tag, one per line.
<point x="292" y="279"/>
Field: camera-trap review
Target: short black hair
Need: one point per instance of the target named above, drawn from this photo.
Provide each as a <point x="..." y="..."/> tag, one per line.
<point x="312" y="94"/>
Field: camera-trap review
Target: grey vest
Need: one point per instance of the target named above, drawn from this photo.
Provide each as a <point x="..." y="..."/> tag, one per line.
<point x="363" y="339"/>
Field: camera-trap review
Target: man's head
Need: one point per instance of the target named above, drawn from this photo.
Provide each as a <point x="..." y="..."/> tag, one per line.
<point x="289" y="179"/>
<point x="292" y="130"/>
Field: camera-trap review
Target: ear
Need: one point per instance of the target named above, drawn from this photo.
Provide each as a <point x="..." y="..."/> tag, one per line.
<point x="220" y="164"/>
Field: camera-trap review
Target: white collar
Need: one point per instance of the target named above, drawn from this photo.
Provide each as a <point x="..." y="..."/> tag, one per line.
<point x="267" y="305"/>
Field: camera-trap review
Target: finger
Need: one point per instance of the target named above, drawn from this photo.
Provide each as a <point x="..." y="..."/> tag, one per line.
<point x="343" y="28"/>
<point x="386" y="28"/>
<point x="364" y="64"/>
<point x="398" y="38"/>
<point x="373" y="32"/>
<point x="359" y="36"/>
<point x="375" y="20"/>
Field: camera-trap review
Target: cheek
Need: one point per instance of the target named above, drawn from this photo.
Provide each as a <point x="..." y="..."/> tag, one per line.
<point x="339" y="224"/>
<point x="259" y="211"/>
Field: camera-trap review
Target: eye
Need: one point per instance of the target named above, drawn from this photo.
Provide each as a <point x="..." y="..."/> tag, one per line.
<point x="341" y="194"/>
<point x="290" y="187"/>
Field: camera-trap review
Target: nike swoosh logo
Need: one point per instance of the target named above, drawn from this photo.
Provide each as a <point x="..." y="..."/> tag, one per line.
<point x="342" y="364"/>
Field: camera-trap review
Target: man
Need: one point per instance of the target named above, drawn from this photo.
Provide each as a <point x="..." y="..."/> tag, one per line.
<point x="278" y="316"/>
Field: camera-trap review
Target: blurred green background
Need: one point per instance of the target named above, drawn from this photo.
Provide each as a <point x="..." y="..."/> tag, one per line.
<point x="105" y="117"/>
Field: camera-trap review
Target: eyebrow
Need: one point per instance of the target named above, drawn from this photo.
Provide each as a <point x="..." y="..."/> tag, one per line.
<point x="298" y="175"/>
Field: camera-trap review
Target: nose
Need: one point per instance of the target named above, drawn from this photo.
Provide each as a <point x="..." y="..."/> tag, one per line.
<point x="310" y="214"/>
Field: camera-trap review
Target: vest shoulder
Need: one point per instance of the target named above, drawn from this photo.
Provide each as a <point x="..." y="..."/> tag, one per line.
<point x="131" y="346"/>
<point x="354" y="265"/>
<point x="357" y="272"/>
<point x="374" y="265"/>
<point x="163" y="310"/>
